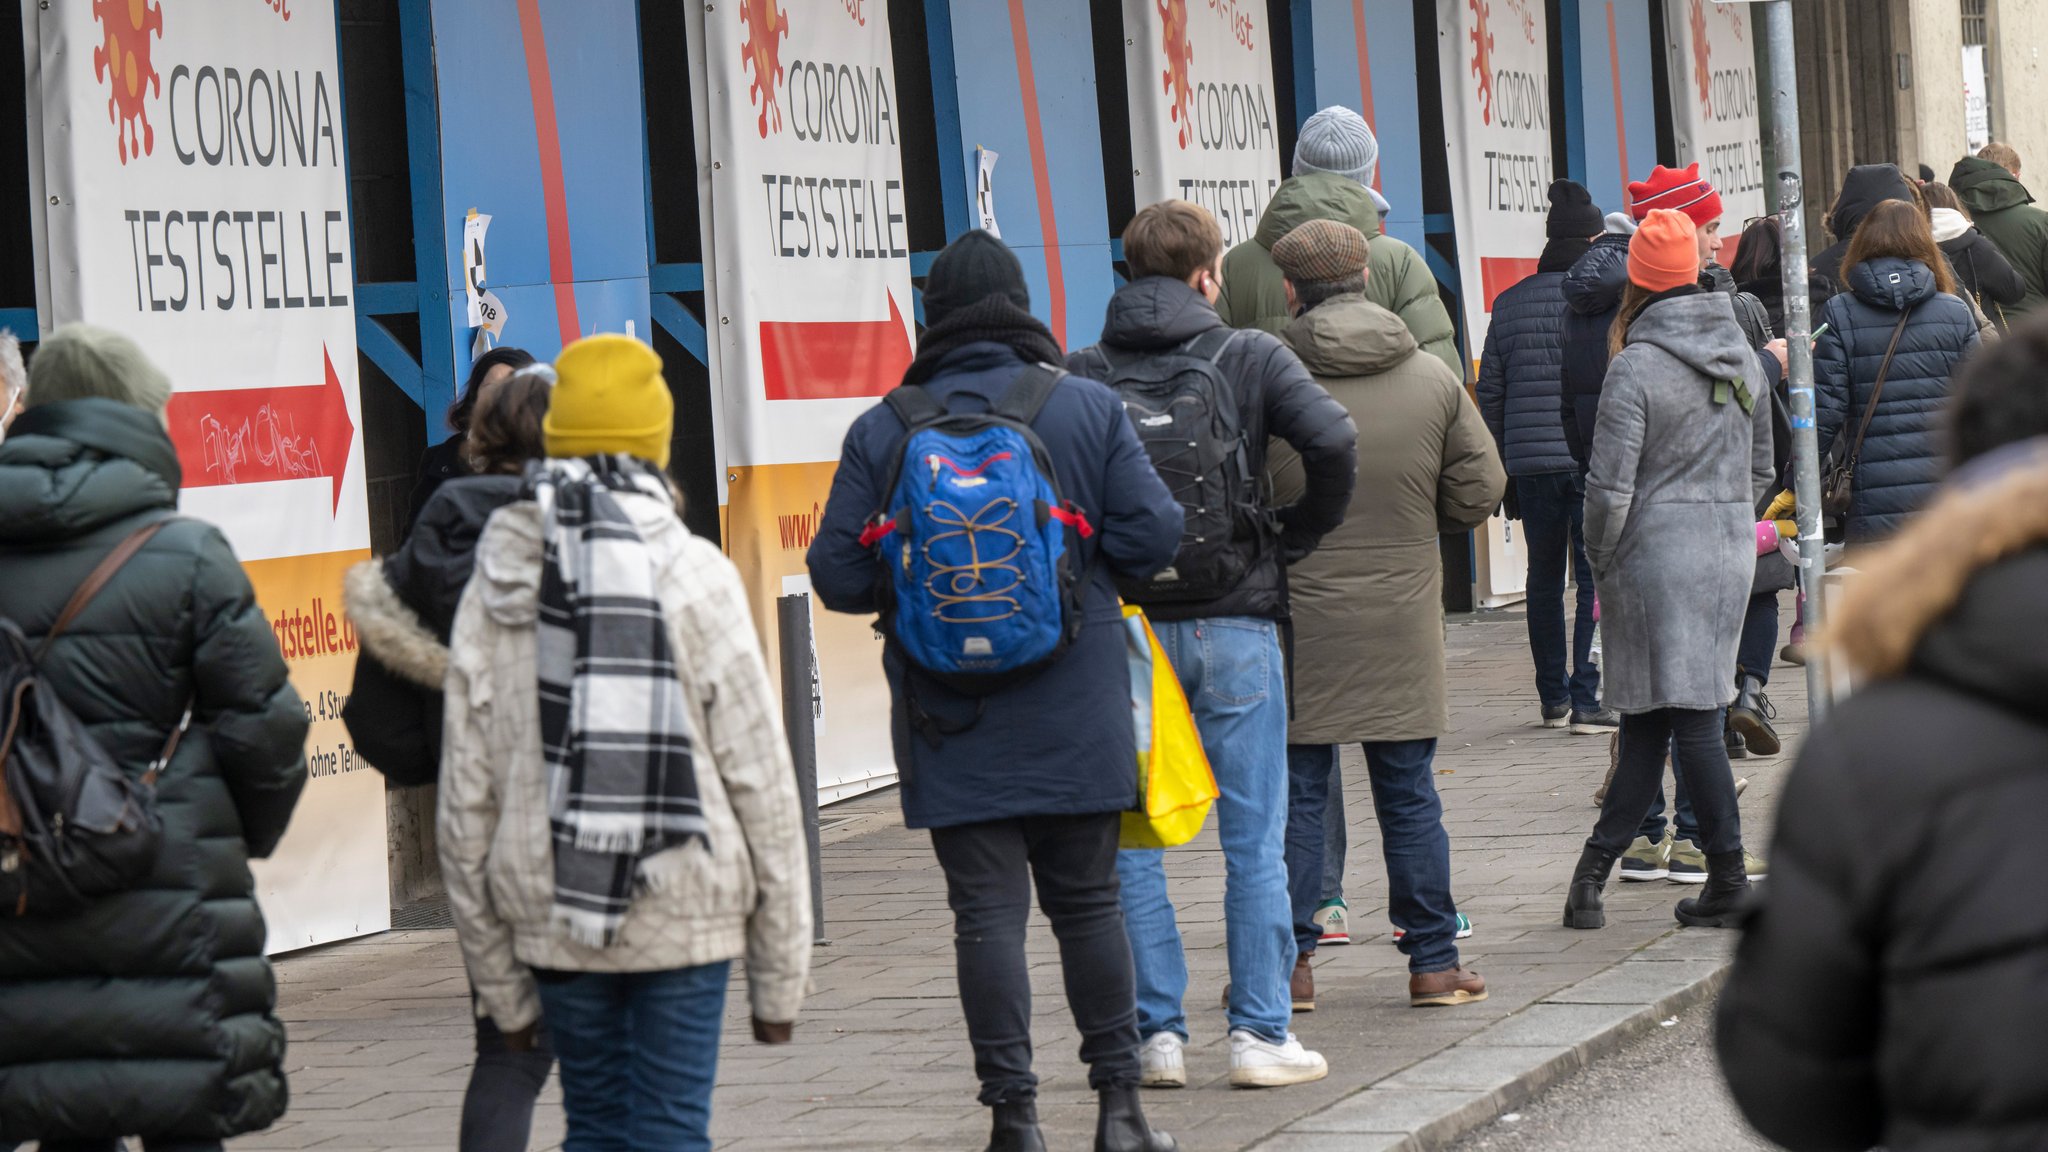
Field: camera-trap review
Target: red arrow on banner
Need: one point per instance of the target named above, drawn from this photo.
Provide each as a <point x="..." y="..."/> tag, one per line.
<point x="249" y="435"/>
<point x="833" y="359"/>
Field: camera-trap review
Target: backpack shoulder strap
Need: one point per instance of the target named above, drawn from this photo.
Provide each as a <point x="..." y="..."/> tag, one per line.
<point x="913" y="405"/>
<point x="1212" y="344"/>
<point x="1029" y="392"/>
<point x="96" y="580"/>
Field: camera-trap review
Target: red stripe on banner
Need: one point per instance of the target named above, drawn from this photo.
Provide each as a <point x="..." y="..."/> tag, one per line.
<point x="1364" y="76"/>
<point x="555" y="195"/>
<point x="1497" y="274"/>
<point x="1056" y="280"/>
<point x="1620" y="120"/>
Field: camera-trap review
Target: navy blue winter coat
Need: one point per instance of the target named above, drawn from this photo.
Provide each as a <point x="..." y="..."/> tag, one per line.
<point x="1520" y="377"/>
<point x="1062" y="742"/>
<point x="1902" y="453"/>
<point x="1592" y="294"/>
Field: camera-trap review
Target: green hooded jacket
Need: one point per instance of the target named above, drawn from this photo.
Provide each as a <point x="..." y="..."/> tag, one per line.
<point x="2004" y="212"/>
<point x="1255" y="293"/>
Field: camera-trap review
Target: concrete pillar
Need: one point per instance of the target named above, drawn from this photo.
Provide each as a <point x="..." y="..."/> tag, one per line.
<point x="2019" y="78"/>
<point x="1932" y="132"/>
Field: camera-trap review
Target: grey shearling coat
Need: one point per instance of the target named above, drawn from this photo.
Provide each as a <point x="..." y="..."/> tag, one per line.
<point x="1670" y="505"/>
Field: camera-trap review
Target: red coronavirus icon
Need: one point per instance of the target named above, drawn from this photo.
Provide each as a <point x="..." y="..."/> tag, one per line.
<point x="1180" y="62"/>
<point x="1702" y="57"/>
<point x="767" y="27"/>
<point x="1482" y="57"/>
<point x="125" y="52"/>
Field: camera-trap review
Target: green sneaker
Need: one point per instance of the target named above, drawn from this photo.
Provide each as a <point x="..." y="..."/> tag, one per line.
<point x="1331" y="919"/>
<point x="1689" y="864"/>
<point x="1647" y="861"/>
<point x="1464" y="931"/>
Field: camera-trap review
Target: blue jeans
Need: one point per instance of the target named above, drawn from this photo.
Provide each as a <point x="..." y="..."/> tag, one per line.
<point x="1235" y="679"/>
<point x="1654" y="823"/>
<point x="1336" y="838"/>
<point x="639" y="1052"/>
<point x="1412" y="839"/>
<point x="1553" y="520"/>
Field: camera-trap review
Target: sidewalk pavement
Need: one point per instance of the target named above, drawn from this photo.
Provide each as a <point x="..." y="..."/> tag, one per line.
<point x="381" y="1041"/>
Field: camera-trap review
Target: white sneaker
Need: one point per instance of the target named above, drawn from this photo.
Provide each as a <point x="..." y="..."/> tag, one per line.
<point x="1256" y="1063"/>
<point x="1159" y="1062"/>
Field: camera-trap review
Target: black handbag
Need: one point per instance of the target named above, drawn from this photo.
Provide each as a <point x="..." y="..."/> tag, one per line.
<point x="1838" y="469"/>
<point x="73" y="823"/>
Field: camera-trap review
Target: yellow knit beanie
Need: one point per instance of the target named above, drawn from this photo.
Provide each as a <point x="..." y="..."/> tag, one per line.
<point x="609" y="396"/>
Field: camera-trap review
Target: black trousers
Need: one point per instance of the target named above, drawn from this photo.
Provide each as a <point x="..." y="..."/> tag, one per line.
<point x="989" y="870"/>
<point x="1640" y="774"/>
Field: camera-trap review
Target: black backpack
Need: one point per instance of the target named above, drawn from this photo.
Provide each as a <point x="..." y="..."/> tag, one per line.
<point x="1186" y="415"/>
<point x="73" y="824"/>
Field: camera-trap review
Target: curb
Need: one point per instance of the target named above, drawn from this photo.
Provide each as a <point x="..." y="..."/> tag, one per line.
<point x="1430" y="1104"/>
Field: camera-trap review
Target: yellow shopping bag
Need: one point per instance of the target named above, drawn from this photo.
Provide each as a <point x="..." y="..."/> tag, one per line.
<point x="1174" y="781"/>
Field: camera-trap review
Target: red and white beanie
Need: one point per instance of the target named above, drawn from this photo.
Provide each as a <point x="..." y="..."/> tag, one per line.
<point x="1678" y="189"/>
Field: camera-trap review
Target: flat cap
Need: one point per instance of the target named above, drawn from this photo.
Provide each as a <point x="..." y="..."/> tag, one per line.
<point x="1321" y="251"/>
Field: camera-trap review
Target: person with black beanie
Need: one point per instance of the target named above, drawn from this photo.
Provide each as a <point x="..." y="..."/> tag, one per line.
<point x="1520" y="376"/>
<point x="1025" y="784"/>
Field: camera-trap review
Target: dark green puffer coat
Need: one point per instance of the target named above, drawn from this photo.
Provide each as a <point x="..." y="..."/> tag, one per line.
<point x="151" y="1012"/>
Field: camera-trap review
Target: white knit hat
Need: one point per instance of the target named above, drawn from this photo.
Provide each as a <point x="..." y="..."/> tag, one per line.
<point x="1339" y="141"/>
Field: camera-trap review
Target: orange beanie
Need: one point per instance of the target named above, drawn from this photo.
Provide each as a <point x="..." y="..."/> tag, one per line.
<point x="1665" y="252"/>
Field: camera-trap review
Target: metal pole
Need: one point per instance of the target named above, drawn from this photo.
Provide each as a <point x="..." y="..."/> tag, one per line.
<point x="1798" y="328"/>
<point x="799" y="716"/>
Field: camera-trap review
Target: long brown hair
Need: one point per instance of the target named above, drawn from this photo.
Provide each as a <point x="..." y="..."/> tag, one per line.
<point x="1940" y="195"/>
<point x="1633" y="298"/>
<point x="505" y="426"/>
<point x="1898" y="229"/>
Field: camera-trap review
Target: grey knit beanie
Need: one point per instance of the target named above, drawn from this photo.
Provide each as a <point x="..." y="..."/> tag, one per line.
<point x="1337" y="140"/>
<point x="81" y="360"/>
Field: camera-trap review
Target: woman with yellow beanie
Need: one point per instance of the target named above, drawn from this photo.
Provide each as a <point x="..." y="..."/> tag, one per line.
<point x="1680" y="455"/>
<point x="618" y="817"/>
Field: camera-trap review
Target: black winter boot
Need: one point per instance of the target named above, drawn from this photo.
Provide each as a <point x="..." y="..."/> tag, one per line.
<point x="1120" y="1124"/>
<point x="1582" y="908"/>
<point x="1016" y="1127"/>
<point x="1750" y="717"/>
<point x="1721" y="903"/>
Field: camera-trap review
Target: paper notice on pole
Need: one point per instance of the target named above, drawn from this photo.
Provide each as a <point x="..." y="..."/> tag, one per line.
<point x="1202" y="111"/>
<point x="474" y="228"/>
<point x="1976" y="98"/>
<point x="985" y="191"/>
<point x="1714" y="110"/>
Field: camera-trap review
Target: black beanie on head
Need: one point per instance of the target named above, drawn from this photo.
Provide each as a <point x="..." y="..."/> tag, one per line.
<point x="1572" y="212"/>
<point x="970" y="270"/>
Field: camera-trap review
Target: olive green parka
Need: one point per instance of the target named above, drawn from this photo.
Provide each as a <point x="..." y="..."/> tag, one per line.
<point x="150" y="1012"/>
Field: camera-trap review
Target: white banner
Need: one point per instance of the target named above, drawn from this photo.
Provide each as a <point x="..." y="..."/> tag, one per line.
<point x="1714" y="108"/>
<point x="1976" y="98"/>
<point x="809" y="282"/>
<point x="1202" y="120"/>
<point x="196" y="199"/>
<point x="1494" y="58"/>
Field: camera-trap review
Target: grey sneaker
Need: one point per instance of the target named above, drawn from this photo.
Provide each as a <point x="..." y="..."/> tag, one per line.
<point x="1647" y="861"/>
<point x="1689" y="864"/>
<point x="1598" y="723"/>
<point x="1556" y="717"/>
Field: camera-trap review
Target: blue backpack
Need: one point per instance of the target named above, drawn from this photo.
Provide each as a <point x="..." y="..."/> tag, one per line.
<point x="980" y="587"/>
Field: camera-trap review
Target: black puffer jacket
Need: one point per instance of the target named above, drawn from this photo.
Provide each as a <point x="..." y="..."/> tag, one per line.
<point x="151" y="1011"/>
<point x="1864" y="188"/>
<point x="1902" y="453"/>
<point x="1889" y="990"/>
<point x="404" y="609"/>
<point x="1520" y="377"/>
<point x="1984" y="272"/>
<point x="1276" y="397"/>
<point x="1770" y="292"/>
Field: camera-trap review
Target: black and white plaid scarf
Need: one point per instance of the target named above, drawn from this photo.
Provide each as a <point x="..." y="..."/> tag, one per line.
<point x="613" y="722"/>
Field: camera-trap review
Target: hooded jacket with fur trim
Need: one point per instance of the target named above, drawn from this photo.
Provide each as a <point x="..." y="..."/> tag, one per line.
<point x="1887" y="991"/>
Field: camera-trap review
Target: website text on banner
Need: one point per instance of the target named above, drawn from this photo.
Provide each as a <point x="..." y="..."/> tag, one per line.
<point x="810" y="279"/>
<point x="1495" y="63"/>
<point x="1714" y="107"/>
<point x="1202" y="111"/>
<point x="196" y="198"/>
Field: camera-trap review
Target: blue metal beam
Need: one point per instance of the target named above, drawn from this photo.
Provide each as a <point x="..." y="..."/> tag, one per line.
<point x="388" y="299"/>
<point x="429" y="231"/>
<point x="1304" y="22"/>
<point x="677" y="322"/>
<point x="375" y="341"/>
<point x="1574" y="91"/>
<point x="675" y="278"/>
<point x="953" y="192"/>
<point x="22" y="321"/>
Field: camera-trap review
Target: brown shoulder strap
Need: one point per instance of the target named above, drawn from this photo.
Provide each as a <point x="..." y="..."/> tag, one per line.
<point x="1877" y="390"/>
<point x="96" y="580"/>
